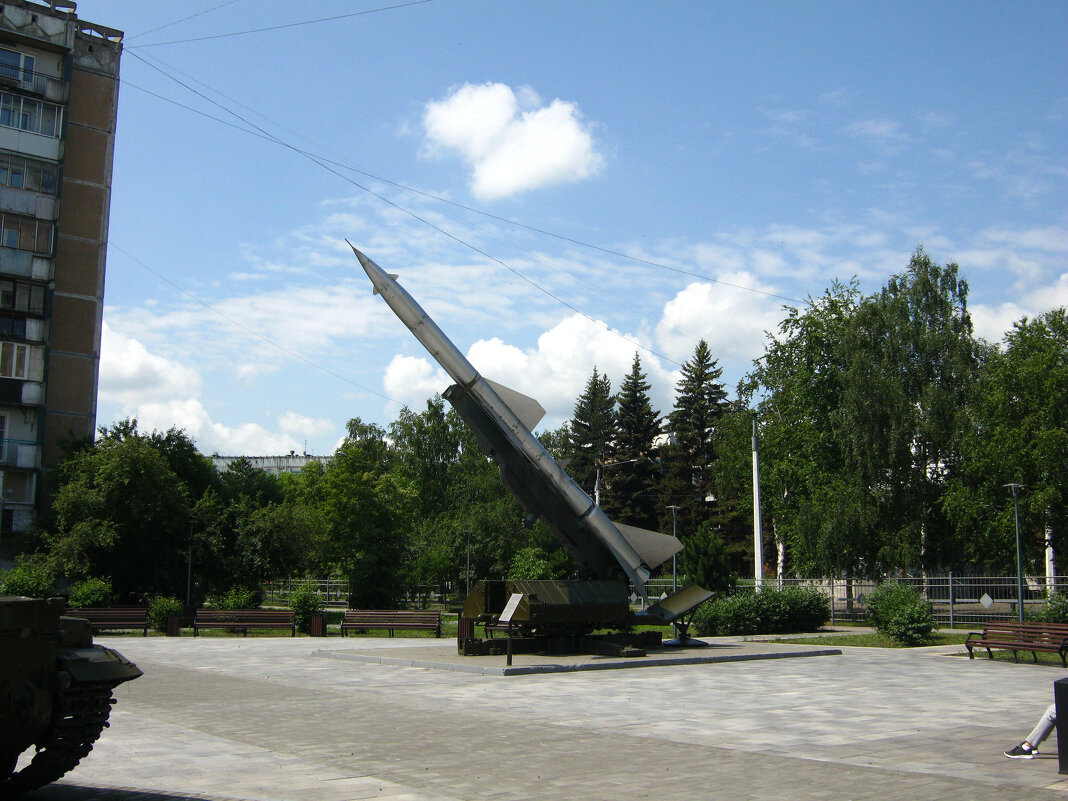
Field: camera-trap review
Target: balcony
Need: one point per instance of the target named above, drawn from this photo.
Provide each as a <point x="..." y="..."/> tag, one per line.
<point x="44" y="86"/>
<point x="19" y="453"/>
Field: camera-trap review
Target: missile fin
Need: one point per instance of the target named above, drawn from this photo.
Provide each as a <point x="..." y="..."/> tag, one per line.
<point x="653" y="547"/>
<point x="394" y="276"/>
<point x="528" y="410"/>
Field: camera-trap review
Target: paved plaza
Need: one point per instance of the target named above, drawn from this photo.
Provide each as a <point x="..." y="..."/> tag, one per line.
<point x="304" y="719"/>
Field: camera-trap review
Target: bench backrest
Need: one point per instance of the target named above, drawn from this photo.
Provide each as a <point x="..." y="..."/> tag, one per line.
<point x="386" y="616"/>
<point x="115" y="614"/>
<point x="252" y="615"/>
<point x="1028" y="631"/>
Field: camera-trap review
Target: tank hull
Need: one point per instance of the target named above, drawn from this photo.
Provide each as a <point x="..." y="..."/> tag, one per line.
<point x="57" y="687"/>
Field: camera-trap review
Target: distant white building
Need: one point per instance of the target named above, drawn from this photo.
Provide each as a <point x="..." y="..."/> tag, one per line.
<point x="275" y="465"/>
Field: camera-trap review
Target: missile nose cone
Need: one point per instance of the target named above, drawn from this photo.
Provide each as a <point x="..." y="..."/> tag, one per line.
<point x="365" y="262"/>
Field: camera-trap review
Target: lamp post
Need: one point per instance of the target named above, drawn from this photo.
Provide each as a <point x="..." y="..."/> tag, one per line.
<point x="468" y="574"/>
<point x="758" y="541"/>
<point x="1019" y="554"/>
<point x="597" y="479"/>
<point x="189" y="565"/>
<point x="674" y="556"/>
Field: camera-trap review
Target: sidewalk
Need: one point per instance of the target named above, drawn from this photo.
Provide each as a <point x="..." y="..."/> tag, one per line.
<point x="279" y="719"/>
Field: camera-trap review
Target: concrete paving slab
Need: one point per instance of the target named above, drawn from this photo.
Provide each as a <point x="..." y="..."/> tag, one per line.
<point x="444" y="656"/>
<point x="267" y="719"/>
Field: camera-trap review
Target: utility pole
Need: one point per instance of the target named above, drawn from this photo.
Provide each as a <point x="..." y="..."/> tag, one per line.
<point x="1019" y="554"/>
<point x="674" y="556"/>
<point x="758" y="539"/>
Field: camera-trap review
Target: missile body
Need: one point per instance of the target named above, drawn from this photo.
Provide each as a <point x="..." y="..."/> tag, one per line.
<point x="603" y="549"/>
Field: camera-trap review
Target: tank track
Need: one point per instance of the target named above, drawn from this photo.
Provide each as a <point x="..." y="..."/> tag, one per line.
<point x="82" y="716"/>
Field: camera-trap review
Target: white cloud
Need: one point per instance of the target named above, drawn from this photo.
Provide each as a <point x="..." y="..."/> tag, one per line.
<point x="412" y="380"/>
<point x="993" y="321"/>
<point x="512" y="142"/>
<point x="161" y="393"/>
<point x="300" y="425"/>
<point x="885" y="134"/>
<point x="733" y="322"/>
<point x="130" y="374"/>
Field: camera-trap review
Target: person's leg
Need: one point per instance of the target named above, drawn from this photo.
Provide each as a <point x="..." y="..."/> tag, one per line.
<point x="1044" y="727"/>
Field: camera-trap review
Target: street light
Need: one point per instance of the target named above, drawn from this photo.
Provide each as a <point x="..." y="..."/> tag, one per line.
<point x="674" y="556"/>
<point x="1019" y="556"/>
<point x="597" y="480"/>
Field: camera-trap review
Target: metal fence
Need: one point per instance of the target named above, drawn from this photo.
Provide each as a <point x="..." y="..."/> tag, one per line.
<point x="956" y="600"/>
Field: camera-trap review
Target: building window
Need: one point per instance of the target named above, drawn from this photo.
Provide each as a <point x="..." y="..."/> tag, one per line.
<point x="17" y="487"/>
<point x="21" y="296"/>
<point x="12" y="327"/>
<point x="23" y="173"/>
<point x="34" y="116"/>
<point x="16" y="66"/>
<point x="14" y="360"/>
<point x="26" y="233"/>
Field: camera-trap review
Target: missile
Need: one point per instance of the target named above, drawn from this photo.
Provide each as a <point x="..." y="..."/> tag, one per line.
<point x="501" y="420"/>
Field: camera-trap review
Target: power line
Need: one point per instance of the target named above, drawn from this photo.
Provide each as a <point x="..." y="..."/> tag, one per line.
<point x="285" y="25"/>
<point x="184" y="19"/>
<point x="329" y="168"/>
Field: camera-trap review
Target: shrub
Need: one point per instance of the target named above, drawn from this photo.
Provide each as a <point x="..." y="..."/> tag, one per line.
<point x="704" y="561"/>
<point x="33" y="576"/>
<point x="236" y="598"/>
<point x="771" y="611"/>
<point x="93" y="592"/>
<point x="159" y="609"/>
<point x="305" y="602"/>
<point x="900" y="612"/>
<point x="1055" y="611"/>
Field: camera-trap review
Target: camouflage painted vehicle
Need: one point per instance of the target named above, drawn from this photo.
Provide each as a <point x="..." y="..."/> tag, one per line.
<point x="55" y="691"/>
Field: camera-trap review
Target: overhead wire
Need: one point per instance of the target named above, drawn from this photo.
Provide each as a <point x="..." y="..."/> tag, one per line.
<point x="329" y="167"/>
<point x="284" y="26"/>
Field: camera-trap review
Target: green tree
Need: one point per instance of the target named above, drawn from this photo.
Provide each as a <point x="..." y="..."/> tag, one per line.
<point x="812" y="506"/>
<point x="688" y="478"/>
<point x="592" y="431"/>
<point x="121" y="512"/>
<point x="912" y="363"/>
<point x="704" y="560"/>
<point x="1017" y="433"/>
<point x="629" y="491"/>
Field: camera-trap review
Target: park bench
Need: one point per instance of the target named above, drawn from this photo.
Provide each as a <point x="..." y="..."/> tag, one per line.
<point x="1008" y="635"/>
<point x="243" y="620"/>
<point x="114" y="618"/>
<point x="391" y="619"/>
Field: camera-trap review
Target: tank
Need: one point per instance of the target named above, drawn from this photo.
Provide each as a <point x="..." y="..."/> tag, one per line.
<point x="55" y="691"/>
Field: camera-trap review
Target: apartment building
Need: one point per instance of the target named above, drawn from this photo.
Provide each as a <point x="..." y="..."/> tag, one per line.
<point x="59" y="86"/>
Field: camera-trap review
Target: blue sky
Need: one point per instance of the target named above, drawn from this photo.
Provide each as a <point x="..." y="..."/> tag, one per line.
<point x="559" y="184"/>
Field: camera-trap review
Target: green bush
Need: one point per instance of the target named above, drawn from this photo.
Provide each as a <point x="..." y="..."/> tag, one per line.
<point x="236" y="598"/>
<point x="33" y="576"/>
<point x="900" y="612"/>
<point x="788" y="610"/>
<point x="93" y="592"/>
<point x="1055" y="611"/>
<point x="305" y="602"/>
<point x="704" y="561"/>
<point x="159" y="609"/>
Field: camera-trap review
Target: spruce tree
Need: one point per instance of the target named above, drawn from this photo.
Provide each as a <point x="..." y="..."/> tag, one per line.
<point x="592" y="431"/>
<point x="631" y="495"/>
<point x="688" y="481"/>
